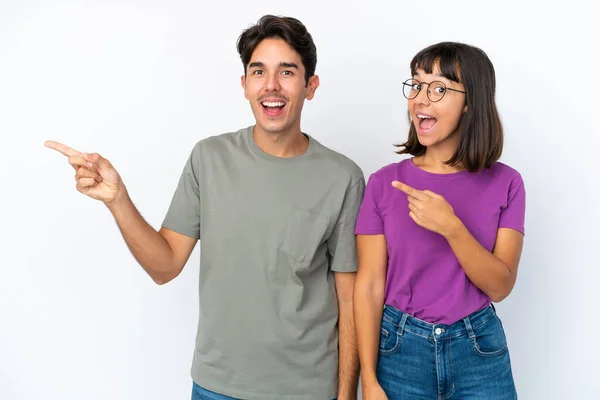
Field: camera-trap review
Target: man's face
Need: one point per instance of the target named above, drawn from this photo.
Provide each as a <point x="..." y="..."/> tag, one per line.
<point x="275" y="86"/>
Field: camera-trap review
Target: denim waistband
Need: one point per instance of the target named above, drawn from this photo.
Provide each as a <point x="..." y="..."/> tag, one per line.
<point x="406" y="322"/>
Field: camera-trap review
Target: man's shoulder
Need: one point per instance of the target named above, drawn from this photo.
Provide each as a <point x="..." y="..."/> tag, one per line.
<point x="341" y="163"/>
<point x="216" y="142"/>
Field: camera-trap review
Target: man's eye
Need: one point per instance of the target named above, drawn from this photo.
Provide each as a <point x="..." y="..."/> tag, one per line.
<point x="257" y="72"/>
<point x="287" y="73"/>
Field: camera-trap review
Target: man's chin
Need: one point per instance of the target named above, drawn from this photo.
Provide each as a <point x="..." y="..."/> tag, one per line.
<point x="272" y="128"/>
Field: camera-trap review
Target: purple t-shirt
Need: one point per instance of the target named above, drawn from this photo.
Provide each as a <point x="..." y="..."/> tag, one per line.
<point x="424" y="277"/>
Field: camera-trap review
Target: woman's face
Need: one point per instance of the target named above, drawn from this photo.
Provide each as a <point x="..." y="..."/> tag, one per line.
<point x="436" y="121"/>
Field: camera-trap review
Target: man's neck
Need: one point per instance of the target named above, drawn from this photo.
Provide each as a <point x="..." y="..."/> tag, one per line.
<point x="281" y="144"/>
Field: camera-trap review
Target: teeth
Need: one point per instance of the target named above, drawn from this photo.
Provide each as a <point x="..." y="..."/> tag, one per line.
<point x="273" y="104"/>
<point x="424" y="116"/>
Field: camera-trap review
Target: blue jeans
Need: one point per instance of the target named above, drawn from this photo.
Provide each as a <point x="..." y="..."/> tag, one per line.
<point x="199" y="393"/>
<point x="467" y="360"/>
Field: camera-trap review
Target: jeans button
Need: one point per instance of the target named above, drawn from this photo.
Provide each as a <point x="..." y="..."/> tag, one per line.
<point x="438" y="331"/>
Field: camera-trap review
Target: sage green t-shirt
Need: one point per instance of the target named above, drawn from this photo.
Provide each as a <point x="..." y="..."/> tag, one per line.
<point x="272" y="231"/>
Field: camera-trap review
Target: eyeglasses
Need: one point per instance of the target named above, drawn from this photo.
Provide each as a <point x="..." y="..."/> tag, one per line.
<point x="411" y="89"/>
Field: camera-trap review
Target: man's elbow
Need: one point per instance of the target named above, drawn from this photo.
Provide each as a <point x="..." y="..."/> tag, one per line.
<point x="163" y="277"/>
<point x="345" y="304"/>
<point x="345" y="298"/>
<point x="161" y="281"/>
<point x="344" y="287"/>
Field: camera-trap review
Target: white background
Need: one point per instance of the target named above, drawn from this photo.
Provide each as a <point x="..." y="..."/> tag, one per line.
<point x="142" y="81"/>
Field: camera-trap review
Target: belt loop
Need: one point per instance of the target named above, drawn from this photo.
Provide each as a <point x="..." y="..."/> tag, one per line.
<point x="402" y="323"/>
<point x="493" y="307"/>
<point x="467" y="322"/>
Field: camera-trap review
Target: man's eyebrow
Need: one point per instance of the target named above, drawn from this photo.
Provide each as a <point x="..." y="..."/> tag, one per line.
<point x="288" y="65"/>
<point x="284" y="64"/>
<point x="256" y="64"/>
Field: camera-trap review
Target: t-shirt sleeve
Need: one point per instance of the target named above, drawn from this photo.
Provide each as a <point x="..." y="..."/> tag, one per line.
<point x="513" y="215"/>
<point x="341" y="245"/>
<point x="183" y="215"/>
<point x="369" y="221"/>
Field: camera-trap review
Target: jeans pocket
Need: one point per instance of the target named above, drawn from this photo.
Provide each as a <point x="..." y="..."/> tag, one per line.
<point x="389" y="339"/>
<point x="304" y="235"/>
<point x="490" y="340"/>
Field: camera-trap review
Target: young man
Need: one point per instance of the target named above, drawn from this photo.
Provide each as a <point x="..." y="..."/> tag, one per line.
<point x="275" y="213"/>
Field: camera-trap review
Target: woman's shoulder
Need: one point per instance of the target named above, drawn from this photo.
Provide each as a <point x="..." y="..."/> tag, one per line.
<point x="391" y="169"/>
<point x="502" y="170"/>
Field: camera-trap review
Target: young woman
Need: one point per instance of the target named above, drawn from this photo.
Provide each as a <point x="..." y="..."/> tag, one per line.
<point x="439" y="239"/>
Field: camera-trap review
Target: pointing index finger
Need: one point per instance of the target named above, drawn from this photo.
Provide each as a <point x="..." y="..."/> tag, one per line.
<point x="417" y="194"/>
<point x="61" y="148"/>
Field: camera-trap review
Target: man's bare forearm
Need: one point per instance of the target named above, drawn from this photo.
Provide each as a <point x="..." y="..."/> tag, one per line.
<point x="148" y="247"/>
<point x="348" y="354"/>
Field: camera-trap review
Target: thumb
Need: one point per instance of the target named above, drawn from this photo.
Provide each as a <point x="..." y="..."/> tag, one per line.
<point x="101" y="162"/>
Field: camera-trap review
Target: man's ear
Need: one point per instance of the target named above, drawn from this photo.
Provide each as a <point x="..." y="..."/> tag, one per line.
<point x="313" y="84"/>
<point x="243" y="81"/>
